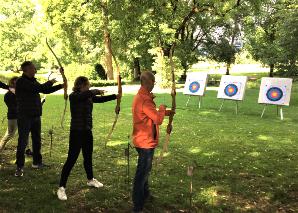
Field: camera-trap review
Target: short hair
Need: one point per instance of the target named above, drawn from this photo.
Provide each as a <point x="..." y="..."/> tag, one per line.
<point x="12" y="80"/>
<point x="25" y="64"/>
<point x="79" y="82"/>
<point x="146" y="75"/>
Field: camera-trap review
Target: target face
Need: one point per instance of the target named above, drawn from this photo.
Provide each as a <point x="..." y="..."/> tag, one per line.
<point x="195" y="84"/>
<point x="231" y="90"/>
<point x="232" y="87"/>
<point x="276" y="91"/>
<point x="274" y="94"/>
<point x="194" y="87"/>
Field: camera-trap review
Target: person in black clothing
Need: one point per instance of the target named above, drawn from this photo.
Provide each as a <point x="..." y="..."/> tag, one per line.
<point x="3" y="86"/>
<point x="81" y="106"/>
<point x="29" y="111"/>
<point x="11" y="103"/>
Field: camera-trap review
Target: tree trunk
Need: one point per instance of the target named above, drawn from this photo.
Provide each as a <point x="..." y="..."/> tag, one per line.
<point x="185" y="68"/>
<point x="108" y="55"/>
<point x="107" y="44"/>
<point x="228" y="68"/>
<point x="271" y="70"/>
<point x="136" y="69"/>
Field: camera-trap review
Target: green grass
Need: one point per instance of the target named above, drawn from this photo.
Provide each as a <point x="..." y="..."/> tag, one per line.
<point x="245" y="163"/>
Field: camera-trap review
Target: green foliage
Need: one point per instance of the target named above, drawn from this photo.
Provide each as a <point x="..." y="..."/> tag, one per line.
<point x="162" y="67"/>
<point x="272" y="35"/>
<point x="74" y="70"/>
<point x="75" y="30"/>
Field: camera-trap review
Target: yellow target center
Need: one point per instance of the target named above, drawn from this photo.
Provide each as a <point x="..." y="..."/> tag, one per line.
<point x="274" y="94"/>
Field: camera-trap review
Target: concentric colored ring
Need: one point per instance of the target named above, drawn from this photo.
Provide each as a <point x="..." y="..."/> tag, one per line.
<point x="274" y="94"/>
<point x="231" y="90"/>
<point x="194" y="87"/>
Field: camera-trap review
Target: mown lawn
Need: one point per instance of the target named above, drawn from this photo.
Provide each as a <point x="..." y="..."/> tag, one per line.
<point x="244" y="163"/>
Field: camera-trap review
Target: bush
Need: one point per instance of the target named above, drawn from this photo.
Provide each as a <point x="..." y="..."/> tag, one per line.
<point x="74" y="70"/>
<point x="105" y="83"/>
<point x="100" y="72"/>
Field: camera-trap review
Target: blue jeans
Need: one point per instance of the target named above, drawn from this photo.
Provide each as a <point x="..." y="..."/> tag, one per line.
<point x="141" y="186"/>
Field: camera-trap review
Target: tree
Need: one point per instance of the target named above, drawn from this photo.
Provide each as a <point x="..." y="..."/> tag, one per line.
<point x="20" y="33"/>
<point x="287" y="38"/>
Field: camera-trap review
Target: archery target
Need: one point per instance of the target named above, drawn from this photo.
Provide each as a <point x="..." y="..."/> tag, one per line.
<point x="276" y="91"/>
<point x="231" y="90"/>
<point x="195" y="83"/>
<point x="194" y="87"/>
<point x="232" y="87"/>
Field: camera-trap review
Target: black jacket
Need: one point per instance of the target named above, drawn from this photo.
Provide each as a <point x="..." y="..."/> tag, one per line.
<point x="11" y="103"/>
<point x="3" y="86"/>
<point x="28" y="98"/>
<point x="81" y="106"/>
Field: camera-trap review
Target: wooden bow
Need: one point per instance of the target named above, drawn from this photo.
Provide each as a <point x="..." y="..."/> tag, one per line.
<point x="61" y="70"/>
<point x="117" y="109"/>
<point x="171" y="117"/>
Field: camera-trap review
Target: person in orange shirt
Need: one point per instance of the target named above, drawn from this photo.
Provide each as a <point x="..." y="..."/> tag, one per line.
<point x="146" y="122"/>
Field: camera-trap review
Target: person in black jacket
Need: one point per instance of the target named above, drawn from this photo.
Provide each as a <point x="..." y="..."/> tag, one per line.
<point x="3" y="86"/>
<point x="11" y="103"/>
<point x="81" y="106"/>
<point x="29" y="110"/>
<point x="12" y="125"/>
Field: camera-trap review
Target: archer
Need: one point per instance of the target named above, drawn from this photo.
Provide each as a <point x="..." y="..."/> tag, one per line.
<point x="29" y="112"/>
<point x="81" y="137"/>
<point x="146" y="122"/>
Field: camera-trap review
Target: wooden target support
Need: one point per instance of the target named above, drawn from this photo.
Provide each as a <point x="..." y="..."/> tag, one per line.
<point x="279" y="111"/>
<point x="200" y="101"/>
<point x="236" y="106"/>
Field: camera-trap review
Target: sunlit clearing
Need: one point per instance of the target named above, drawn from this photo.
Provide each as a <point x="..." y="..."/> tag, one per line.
<point x="195" y="150"/>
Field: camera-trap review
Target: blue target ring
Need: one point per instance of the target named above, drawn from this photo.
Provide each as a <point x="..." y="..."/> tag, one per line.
<point x="231" y="90"/>
<point x="194" y="87"/>
<point x="274" y="94"/>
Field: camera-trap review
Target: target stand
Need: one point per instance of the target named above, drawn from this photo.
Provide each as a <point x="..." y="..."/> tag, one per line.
<point x="199" y="102"/>
<point x="279" y="111"/>
<point x="274" y="95"/>
<point x="236" y="105"/>
<point x="230" y="91"/>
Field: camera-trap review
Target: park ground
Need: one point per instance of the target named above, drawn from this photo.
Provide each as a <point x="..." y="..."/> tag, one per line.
<point x="243" y="163"/>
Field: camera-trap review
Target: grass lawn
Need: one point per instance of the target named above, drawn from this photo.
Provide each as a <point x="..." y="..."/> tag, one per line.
<point x="245" y="163"/>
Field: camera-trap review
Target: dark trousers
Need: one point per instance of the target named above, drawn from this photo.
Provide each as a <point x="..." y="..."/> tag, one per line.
<point x="25" y="126"/>
<point x="141" y="186"/>
<point x="78" y="139"/>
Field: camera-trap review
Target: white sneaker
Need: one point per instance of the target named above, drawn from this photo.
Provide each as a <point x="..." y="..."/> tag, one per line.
<point x="61" y="193"/>
<point x="94" y="183"/>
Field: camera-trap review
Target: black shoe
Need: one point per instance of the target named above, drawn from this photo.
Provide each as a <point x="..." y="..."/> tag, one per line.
<point x="29" y="152"/>
<point x="39" y="166"/>
<point x="19" y="172"/>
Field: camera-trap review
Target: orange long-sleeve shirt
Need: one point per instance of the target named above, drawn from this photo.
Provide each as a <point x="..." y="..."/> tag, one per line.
<point x="146" y="120"/>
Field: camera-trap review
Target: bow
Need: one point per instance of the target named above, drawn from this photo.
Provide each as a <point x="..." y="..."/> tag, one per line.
<point x="117" y="109"/>
<point x="171" y="117"/>
<point x="61" y="70"/>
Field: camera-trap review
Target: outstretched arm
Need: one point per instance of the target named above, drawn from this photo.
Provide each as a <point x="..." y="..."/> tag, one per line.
<point x="102" y="99"/>
<point x="3" y="86"/>
<point x="52" y="89"/>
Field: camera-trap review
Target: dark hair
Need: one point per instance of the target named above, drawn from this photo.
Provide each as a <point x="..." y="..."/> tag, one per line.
<point x="79" y="82"/>
<point x="25" y="64"/>
<point x="12" y="80"/>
